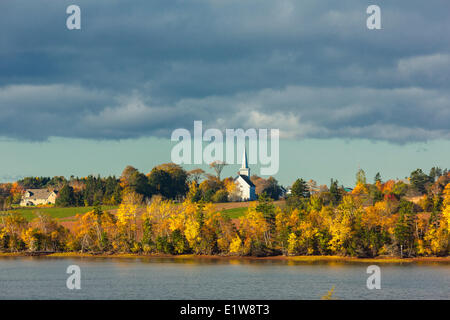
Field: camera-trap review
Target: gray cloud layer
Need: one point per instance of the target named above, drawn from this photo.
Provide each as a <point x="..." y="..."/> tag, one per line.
<point x="140" y="68"/>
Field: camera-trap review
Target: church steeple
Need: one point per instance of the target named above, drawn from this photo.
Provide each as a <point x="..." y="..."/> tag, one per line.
<point x="245" y="170"/>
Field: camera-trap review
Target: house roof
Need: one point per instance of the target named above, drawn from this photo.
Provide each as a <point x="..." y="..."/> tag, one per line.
<point x="246" y="179"/>
<point x="39" y="193"/>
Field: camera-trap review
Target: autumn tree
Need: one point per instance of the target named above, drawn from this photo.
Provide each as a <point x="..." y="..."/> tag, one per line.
<point x="16" y="192"/>
<point x="437" y="238"/>
<point x="344" y="226"/>
<point x="125" y="177"/>
<point x="374" y="228"/>
<point x="253" y="234"/>
<point x="218" y="167"/>
<point x="51" y="236"/>
<point x="399" y="189"/>
<point x="127" y="222"/>
<point x="164" y="226"/>
<point x="194" y="194"/>
<point x="95" y="231"/>
<point x="233" y="190"/>
<point x="195" y="175"/>
<point x="220" y="196"/>
<point x="209" y="187"/>
<point x="12" y="227"/>
<point x="361" y="177"/>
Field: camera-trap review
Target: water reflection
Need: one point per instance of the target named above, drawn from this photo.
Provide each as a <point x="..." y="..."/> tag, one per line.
<point x="217" y="278"/>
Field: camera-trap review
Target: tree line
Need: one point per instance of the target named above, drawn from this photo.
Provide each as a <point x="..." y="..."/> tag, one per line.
<point x="374" y="219"/>
<point x="169" y="180"/>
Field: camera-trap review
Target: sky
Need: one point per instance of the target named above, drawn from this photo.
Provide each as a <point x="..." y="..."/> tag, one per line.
<point x="91" y="101"/>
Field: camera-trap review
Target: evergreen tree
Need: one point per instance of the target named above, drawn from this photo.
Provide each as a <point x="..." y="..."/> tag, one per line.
<point x="435" y="173"/>
<point x="300" y="189"/>
<point x="272" y="189"/>
<point x="65" y="197"/>
<point x="336" y="195"/>
<point x="377" y="178"/>
<point x="419" y="180"/>
<point x="267" y="208"/>
<point x="404" y="231"/>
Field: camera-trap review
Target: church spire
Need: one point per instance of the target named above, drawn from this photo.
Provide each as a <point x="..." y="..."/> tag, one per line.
<point x="245" y="170"/>
<point x="244" y="160"/>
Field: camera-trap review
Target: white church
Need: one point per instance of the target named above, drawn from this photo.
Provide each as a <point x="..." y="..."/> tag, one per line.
<point x="243" y="182"/>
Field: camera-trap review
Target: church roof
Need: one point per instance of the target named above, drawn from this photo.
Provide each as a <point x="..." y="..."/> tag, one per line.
<point x="246" y="179"/>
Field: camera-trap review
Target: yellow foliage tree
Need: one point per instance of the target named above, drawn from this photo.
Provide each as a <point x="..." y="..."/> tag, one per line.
<point x="360" y="189"/>
<point x="293" y="244"/>
<point x="253" y="229"/>
<point x="13" y="225"/>
<point x="127" y="221"/>
<point x="236" y="246"/>
<point x="437" y="238"/>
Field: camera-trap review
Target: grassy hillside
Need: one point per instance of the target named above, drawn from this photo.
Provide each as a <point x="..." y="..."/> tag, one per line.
<point x="29" y="213"/>
<point x="238" y="209"/>
<point x="231" y="209"/>
<point x="235" y="212"/>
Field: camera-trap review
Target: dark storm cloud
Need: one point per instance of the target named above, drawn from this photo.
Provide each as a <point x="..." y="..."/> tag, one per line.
<point x="144" y="68"/>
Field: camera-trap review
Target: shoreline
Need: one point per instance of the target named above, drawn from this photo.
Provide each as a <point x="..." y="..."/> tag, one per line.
<point x="242" y="258"/>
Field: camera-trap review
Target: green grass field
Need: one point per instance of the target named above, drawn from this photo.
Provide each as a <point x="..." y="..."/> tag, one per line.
<point x="56" y="212"/>
<point x="29" y="213"/>
<point x="241" y="211"/>
<point x="235" y="212"/>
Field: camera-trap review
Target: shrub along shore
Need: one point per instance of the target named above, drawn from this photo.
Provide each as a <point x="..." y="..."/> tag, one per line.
<point x="190" y="257"/>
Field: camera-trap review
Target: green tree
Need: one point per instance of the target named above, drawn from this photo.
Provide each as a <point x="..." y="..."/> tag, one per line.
<point x="34" y="182"/>
<point x="159" y="181"/>
<point x="139" y="183"/>
<point x="404" y="231"/>
<point x="435" y="173"/>
<point x="266" y="207"/>
<point x="419" y="180"/>
<point x="300" y="189"/>
<point x="377" y="178"/>
<point x="336" y="195"/>
<point x="272" y="189"/>
<point x="169" y="180"/>
<point x="65" y="197"/>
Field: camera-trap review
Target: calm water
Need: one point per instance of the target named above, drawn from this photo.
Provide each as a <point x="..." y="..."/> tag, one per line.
<point x="166" y="278"/>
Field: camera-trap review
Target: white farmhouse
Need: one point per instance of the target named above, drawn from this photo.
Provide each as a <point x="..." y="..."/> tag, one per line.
<point x="244" y="184"/>
<point x="34" y="197"/>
